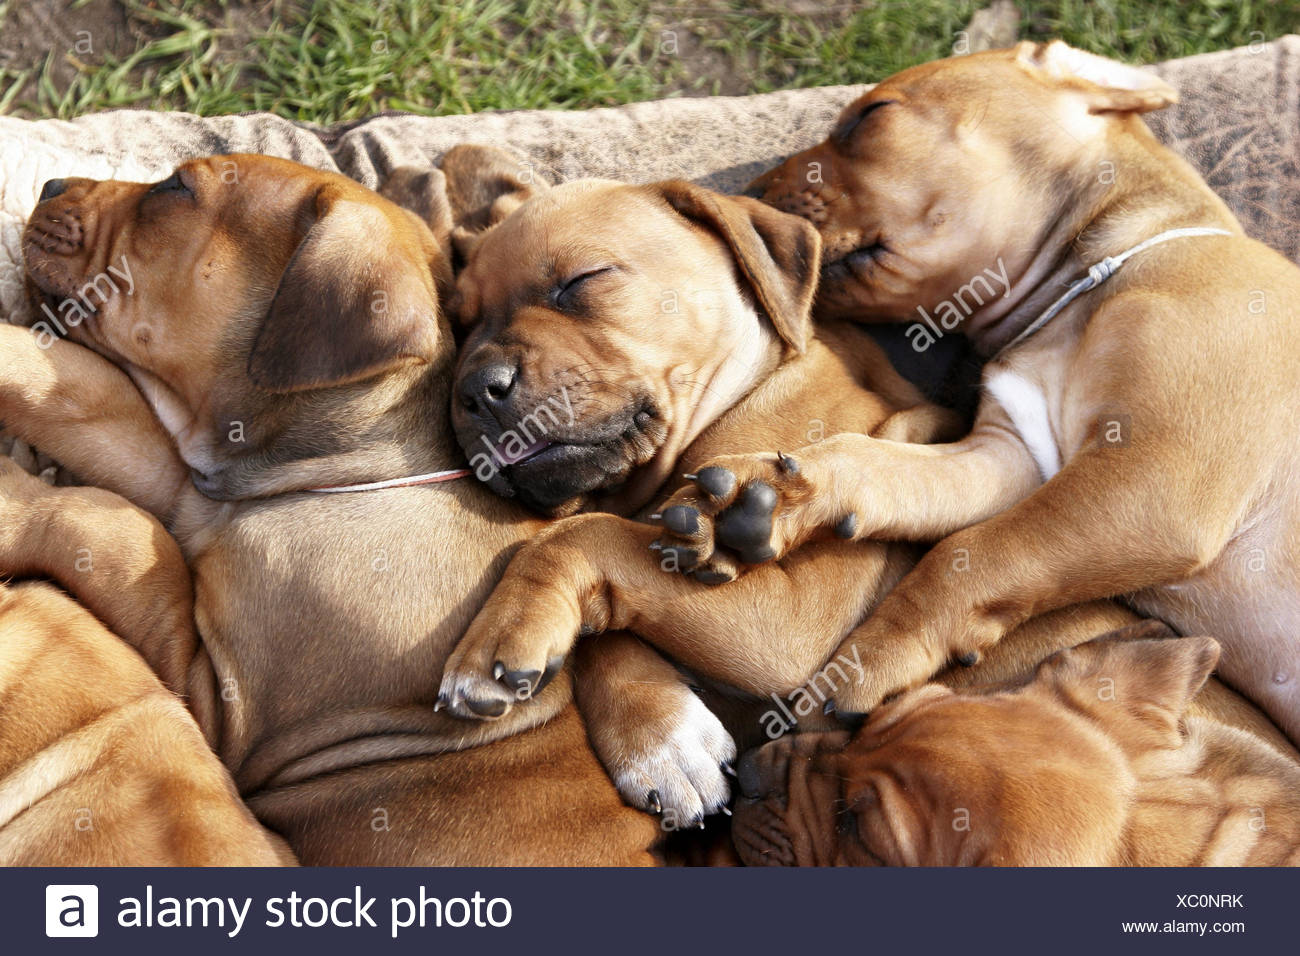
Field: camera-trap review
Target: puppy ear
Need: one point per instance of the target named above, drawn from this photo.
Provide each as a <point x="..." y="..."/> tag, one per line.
<point x="422" y="192"/>
<point x="485" y="184"/>
<point x="779" y="254"/>
<point x="1107" y="85"/>
<point x="1143" y="673"/>
<point x="356" y="300"/>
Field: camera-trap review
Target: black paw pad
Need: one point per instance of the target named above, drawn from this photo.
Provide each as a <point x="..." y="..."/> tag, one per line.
<point x="716" y="482"/>
<point x="486" y="708"/>
<point x="712" y="576"/>
<point x="847" y="527"/>
<point x="969" y="659"/>
<point x="787" y="464"/>
<point x="746" y="527"/>
<point x="553" y="667"/>
<point x="682" y="519"/>
<point x="521" y="682"/>
<point x="850" y="718"/>
<point x="680" y="559"/>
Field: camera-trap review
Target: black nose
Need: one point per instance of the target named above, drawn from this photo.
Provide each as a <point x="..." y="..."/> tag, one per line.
<point x="754" y="191"/>
<point x="52" y="188"/>
<point x="486" y="389"/>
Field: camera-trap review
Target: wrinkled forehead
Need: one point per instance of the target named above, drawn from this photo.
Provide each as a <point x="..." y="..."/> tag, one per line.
<point x="1000" y="730"/>
<point x="236" y="168"/>
<point x="265" y="186"/>
<point x="947" y="88"/>
<point x="587" y="216"/>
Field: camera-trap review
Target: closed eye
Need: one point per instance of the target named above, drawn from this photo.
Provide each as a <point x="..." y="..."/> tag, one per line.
<point x="175" y="183"/>
<point x="850" y="126"/>
<point x="565" y="292"/>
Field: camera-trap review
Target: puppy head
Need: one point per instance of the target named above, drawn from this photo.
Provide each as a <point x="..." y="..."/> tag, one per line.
<point x="1038" y="775"/>
<point x="234" y="285"/>
<point x="607" y="325"/>
<point x="955" y="167"/>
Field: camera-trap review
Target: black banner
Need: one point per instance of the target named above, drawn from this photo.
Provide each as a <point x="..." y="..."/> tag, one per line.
<point x="657" y="912"/>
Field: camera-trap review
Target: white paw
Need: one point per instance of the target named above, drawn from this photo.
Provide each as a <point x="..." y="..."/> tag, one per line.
<point x="680" y="774"/>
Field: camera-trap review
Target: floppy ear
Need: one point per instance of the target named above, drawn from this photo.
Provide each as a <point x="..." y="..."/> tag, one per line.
<point x="779" y="254"/>
<point x="484" y="185"/>
<point x="423" y="193"/>
<point x="1108" y="85"/>
<point x="356" y="300"/>
<point x="1143" y="671"/>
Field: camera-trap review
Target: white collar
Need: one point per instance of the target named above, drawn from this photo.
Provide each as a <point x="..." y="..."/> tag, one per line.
<point x="1099" y="273"/>
<point x="432" y="478"/>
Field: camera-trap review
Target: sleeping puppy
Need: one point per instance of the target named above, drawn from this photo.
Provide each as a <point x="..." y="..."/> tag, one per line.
<point x="240" y="334"/>
<point x="1137" y="431"/>
<point x="615" y="335"/>
<point x="1103" y="758"/>
<point x="100" y="763"/>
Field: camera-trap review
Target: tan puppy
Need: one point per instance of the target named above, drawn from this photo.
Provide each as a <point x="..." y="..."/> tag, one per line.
<point x="100" y="764"/>
<point x="1102" y="759"/>
<point x="616" y="336"/>
<point x="1139" y="443"/>
<point x="262" y="329"/>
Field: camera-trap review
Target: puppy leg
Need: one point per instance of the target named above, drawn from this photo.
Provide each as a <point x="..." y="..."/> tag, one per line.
<point x="113" y="558"/>
<point x="88" y="415"/>
<point x="760" y="507"/>
<point x="1110" y="523"/>
<point x="663" y="748"/>
<point x="767" y="632"/>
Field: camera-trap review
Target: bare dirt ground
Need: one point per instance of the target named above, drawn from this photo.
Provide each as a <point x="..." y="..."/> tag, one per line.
<point x="64" y="38"/>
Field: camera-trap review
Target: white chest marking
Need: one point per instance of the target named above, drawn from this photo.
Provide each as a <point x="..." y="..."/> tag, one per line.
<point x="1026" y="405"/>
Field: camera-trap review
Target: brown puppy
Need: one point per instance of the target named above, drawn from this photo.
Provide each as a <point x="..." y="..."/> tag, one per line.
<point x="1102" y="759"/>
<point x="1140" y="442"/>
<point x="250" y="329"/>
<point x="617" y="335"/>
<point x="100" y="764"/>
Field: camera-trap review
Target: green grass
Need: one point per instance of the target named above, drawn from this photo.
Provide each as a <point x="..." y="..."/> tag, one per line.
<point x="332" y="60"/>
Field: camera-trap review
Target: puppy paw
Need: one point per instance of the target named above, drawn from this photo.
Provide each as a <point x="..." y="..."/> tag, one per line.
<point x="511" y="652"/>
<point x="882" y="663"/>
<point x="739" y="510"/>
<point x="471" y="693"/>
<point x="675" y="765"/>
